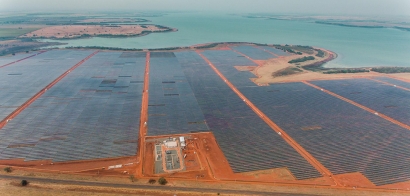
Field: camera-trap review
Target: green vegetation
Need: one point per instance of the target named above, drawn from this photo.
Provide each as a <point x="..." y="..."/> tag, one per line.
<point x="261" y="44"/>
<point x="152" y="181"/>
<point x="24" y="183"/>
<point x="320" y="53"/>
<point x="346" y="71"/>
<point x="103" y="48"/>
<point x="303" y="59"/>
<point x="132" y="178"/>
<point x="8" y="169"/>
<point x="170" y="48"/>
<point x="391" y="69"/>
<point x="162" y="181"/>
<point x="15" y="32"/>
<point x="287" y="71"/>
<point x="287" y="50"/>
<point x="207" y="46"/>
<point x="297" y="49"/>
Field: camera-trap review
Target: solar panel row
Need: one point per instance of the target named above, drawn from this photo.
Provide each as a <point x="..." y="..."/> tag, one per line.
<point x="394" y="82"/>
<point x="253" y="52"/>
<point x="343" y="137"/>
<point x="14" y="58"/>
<point x="276" y="51"/>
<point x="248" y="143"/>
<point x="20" y="81"/>
<point x="386" y="99"/>
<point x="225" y="60"/>
<point x="91" y="113"/>
<point x="173" y="108"/>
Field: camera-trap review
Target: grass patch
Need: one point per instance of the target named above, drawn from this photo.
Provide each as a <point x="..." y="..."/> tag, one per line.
<point x="15" y="32"/>
<point x="287" y="71"/>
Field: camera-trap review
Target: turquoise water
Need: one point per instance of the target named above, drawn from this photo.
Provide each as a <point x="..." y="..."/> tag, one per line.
<point x="356" y="47"/>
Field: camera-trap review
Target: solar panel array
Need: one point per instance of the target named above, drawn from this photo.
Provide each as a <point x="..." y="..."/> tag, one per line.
<point x="394" y="81"/>
<point x="91" y="113"/>
<point x="386" y="99"/>
<point x="94" y="112"/>
<point x="248" y="143"/>
<point x="343" y="137"/>
<point x="22" y="80"/>
<point x="9" y="59"/>
<point x="254" y="53"/>
<point x="225" y="60"/>
<point x="276" y="51"/>
<point x="173" y="107"/>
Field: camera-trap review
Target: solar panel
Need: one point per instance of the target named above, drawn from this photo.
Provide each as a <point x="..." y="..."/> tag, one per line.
<point x="171" y="102"/>
<point x="386" y="99"/>
<point x="253" y="52"/>
<point x="276" y="51"/>
<point x="394" y="82"/>
<point x="343" y="137"/>
<point x="248" y="143"/>
<point x="79" y="118"/>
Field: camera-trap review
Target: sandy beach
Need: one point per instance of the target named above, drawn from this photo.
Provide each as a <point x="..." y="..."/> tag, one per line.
<point x="76" y="31"/>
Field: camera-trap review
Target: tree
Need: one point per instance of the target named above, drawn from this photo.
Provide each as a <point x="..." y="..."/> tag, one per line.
<point x="7" y="169"/>
<point x="162" y="181"/>
<point x="152" y="181"/>
<point x="24" y="183"/>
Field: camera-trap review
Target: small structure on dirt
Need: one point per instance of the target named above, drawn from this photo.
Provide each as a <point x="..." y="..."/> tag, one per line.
<point x="182" y="141"/>
<point x="170" y="144"/>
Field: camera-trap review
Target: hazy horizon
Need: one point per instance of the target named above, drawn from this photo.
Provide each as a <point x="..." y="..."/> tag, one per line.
<point x="328" y="7"/>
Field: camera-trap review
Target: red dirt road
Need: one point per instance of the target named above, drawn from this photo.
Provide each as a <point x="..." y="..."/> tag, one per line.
<point x="143" y="119"/>
<point x="315" y="163"/>
<point x="360" y="106"/>
<point x="42" y="91"/>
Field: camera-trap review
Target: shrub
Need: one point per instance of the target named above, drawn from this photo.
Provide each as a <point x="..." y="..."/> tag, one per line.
<point x="7" y="169"/>
<point x="132" y="178"/>
<point x="303" y="59"/>
<point x="346" y="71"/>
<point x="152" y="181"/>
<point x="162" y="181"/>
<point x="391" y="69"/>
<point x="24" y="183"/>
<point x="320" y="53"/>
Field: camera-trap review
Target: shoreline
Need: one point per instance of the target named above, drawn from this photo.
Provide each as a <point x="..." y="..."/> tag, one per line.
<point x="316" y="67"/>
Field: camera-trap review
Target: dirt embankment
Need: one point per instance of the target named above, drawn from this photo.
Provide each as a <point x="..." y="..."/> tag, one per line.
<point x="81" y="31"/>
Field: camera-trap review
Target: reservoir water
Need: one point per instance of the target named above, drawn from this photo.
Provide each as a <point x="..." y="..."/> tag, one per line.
<point x="356" y="47"/>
